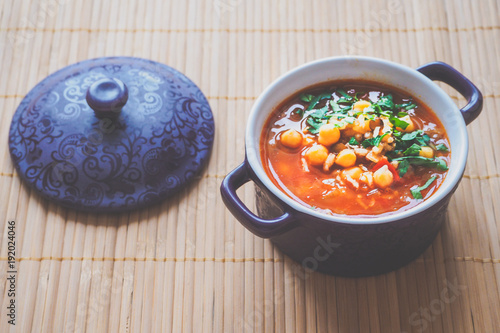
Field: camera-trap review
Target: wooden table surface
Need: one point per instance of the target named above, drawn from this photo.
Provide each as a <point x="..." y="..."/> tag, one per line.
<point x="186" y="265"/>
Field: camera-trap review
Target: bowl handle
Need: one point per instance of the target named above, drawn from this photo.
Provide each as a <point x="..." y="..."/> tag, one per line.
<point x="260" y="227"/>
<point x="443" y="72"/>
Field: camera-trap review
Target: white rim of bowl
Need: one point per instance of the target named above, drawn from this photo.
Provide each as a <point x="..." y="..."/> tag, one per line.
<point x="454" y="175"/>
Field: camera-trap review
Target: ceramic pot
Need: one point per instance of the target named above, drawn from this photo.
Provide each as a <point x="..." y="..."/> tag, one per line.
<point x="349" y="245"/>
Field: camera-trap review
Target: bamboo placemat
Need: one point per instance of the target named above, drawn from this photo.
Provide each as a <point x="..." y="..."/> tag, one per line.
<point x="187" y="264"/>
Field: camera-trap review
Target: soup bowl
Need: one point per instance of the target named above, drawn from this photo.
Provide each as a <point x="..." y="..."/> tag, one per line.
<point x="349" y="245"/>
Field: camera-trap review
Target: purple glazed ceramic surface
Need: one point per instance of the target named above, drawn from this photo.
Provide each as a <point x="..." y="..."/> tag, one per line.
<point x="149" y="132"/>
<point x="341" y="244"/>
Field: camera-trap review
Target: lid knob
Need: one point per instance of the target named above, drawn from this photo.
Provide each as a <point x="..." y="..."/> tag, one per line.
<point x="107" y="97"/>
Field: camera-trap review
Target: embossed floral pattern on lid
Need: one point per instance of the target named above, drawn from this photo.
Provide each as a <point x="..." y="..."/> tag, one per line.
<point x="159" y="141"/>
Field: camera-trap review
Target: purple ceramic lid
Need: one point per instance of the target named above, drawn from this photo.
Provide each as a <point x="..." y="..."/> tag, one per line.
<point x="111" y="134"/>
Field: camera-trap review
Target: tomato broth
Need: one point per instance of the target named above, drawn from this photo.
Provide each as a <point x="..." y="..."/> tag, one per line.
<point x="355" y="148"/>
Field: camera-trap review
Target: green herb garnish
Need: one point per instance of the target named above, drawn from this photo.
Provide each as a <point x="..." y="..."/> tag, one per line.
<point x="414" y="149"/>
<point x="306" y="98"/>
<point x="373" y="141"/>
<point x="406" y="140"/>
<point x="442" y="147"/>
<point x="410" y="107"/>
<point x="349" y="120"/>
<point x="353" y="141"/>
<point x="386" y="102"/>
<point x="319" y="113"/>
<point x="411" y="135"/>
<point x="416" y="191"/>
<point x="369" y="109"/>
<point x="437" y="163"/>
<point x="316" y="99"/>
<point x="398" y="122"/>
<point x="316" y="119"/>
<point x="423" y="140"/>
<point x="356" y="95"/>
<point x="344" y="94"/>
<point x="403" y="167"/>
<point x="335" y="106"/>
<point x="407" y="106"/>
<point x="313" y="100"/>
<point x="314" y="124"/>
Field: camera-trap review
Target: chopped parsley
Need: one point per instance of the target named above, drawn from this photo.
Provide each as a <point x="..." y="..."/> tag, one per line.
<point x="412" y="135"/>
<point x="335" y="106"/>
<point x="416" y="191"/>
<point x="306" y="98"/>
<point x="349" y="120"/>
<point x="398" y="122"/>
<point x="386" y="103"/>
<point x="315" y="124"/>
<point x="317" y="99"/>
<point x="437" y="163"/>
<point x="410" y="143"/>
<point x="414" y="149"/>
<point x="313" y="100"/>
<point x="345" y="95"/>
<point x="373" y="141"/>
<point x="407" y="106"/>
<point x="442" y="147"/>
<point x="403" y="167"/>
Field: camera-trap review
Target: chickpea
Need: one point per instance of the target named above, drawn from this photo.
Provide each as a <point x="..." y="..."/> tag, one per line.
<point x="353" y="172"/>
<point x="316" y="155"/>
<point x="360" y="105"/>
<point x="328" y="134"/>
<point x="291" y="138"/>
<point x="346" y="158"/>
<point x="426" y="152"/>
<point x="361" y="125"/>
<point x="337" y="122"/>
<point x="383" y="177"/>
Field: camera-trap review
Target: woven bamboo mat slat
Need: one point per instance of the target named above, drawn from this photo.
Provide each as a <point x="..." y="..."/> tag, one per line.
<point x="187" y="264"/>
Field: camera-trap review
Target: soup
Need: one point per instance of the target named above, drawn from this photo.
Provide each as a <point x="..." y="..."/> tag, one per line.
<point x="355" y="149"/>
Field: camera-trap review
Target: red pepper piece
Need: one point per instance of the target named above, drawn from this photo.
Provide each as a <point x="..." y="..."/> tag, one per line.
<point x="383" y="161"/>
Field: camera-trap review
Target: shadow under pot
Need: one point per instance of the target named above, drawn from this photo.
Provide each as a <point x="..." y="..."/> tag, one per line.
<point x="346" y="244"/>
